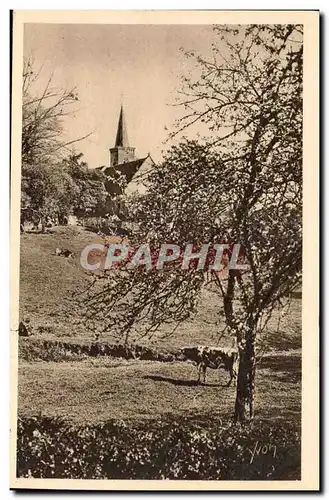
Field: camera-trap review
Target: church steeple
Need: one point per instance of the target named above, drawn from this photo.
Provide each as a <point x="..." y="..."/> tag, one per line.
<point x="122" y="137"/>
<point x="122" y="152"/>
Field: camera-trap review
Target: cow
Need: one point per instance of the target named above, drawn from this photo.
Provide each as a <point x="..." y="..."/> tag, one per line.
<point x="212" y="357"/>
<point x="63" y="252"/>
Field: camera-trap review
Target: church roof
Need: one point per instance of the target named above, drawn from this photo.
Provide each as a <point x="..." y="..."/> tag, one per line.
<point x="128" y="169"/>
<point x="122" y="136"/>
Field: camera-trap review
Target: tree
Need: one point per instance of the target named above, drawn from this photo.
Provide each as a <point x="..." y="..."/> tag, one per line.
<point x="48" y="190"/>
<point x="64" y="188"/>
<point x="53" y="181"/>
<point x="242" y="185"/>
<point x="91" y="195"/>
<point x="42" y="118"/>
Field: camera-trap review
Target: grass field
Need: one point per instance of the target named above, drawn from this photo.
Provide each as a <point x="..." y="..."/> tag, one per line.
<point x="94" y="390"/>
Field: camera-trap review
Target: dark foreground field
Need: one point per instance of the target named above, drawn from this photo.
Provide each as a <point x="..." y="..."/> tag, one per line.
<point x="98" y="416"/>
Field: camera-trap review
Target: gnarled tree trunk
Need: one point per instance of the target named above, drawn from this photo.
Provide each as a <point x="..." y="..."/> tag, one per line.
<point x="244" y="402"/>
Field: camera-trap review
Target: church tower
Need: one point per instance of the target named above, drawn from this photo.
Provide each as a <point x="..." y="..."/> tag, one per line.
<point x="122" y="152"/>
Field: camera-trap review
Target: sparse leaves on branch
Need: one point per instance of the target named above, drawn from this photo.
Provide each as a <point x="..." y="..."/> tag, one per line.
<point x="55" y="180"/>
<point x="42" y="117"/>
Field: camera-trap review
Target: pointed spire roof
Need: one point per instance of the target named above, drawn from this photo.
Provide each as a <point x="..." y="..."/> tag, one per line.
<point x="122" y="137"/>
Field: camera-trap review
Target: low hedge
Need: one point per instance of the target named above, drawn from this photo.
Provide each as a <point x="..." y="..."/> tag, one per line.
<point x="56" y="350"/>
<point x="52" y="448"/>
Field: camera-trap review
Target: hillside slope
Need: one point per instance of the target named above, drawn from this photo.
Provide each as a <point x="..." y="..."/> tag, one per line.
<point x="48" y="281"/>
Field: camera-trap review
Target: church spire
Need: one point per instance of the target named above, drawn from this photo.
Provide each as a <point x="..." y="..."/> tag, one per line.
<point x="122" y="137"/>
<point x="122" y="152"/>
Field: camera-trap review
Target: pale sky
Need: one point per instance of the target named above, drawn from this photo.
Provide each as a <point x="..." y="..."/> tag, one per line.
<point x="138" y="64"/>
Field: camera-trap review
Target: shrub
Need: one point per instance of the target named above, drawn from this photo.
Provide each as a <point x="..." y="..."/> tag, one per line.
<point x="52" y="448"/>
<point x="56" y="350"/>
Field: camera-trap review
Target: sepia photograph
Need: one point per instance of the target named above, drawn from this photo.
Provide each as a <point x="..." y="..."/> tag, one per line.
<point x="164" y="250"/>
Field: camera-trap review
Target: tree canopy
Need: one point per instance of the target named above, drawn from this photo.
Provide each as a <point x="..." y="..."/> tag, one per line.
<point x="242" y="184"/>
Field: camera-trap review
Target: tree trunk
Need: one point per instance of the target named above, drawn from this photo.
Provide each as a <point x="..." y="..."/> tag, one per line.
<point x="244" y="402"/>
<point x="228" y="299"/>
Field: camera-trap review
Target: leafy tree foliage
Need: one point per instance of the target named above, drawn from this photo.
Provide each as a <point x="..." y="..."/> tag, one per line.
<point x="66" y="187"/>
<point x="47" y="189"/>
<point x="91" y="195"/>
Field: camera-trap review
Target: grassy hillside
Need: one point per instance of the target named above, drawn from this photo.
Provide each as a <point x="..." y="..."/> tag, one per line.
<point x="48" y="281"/>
